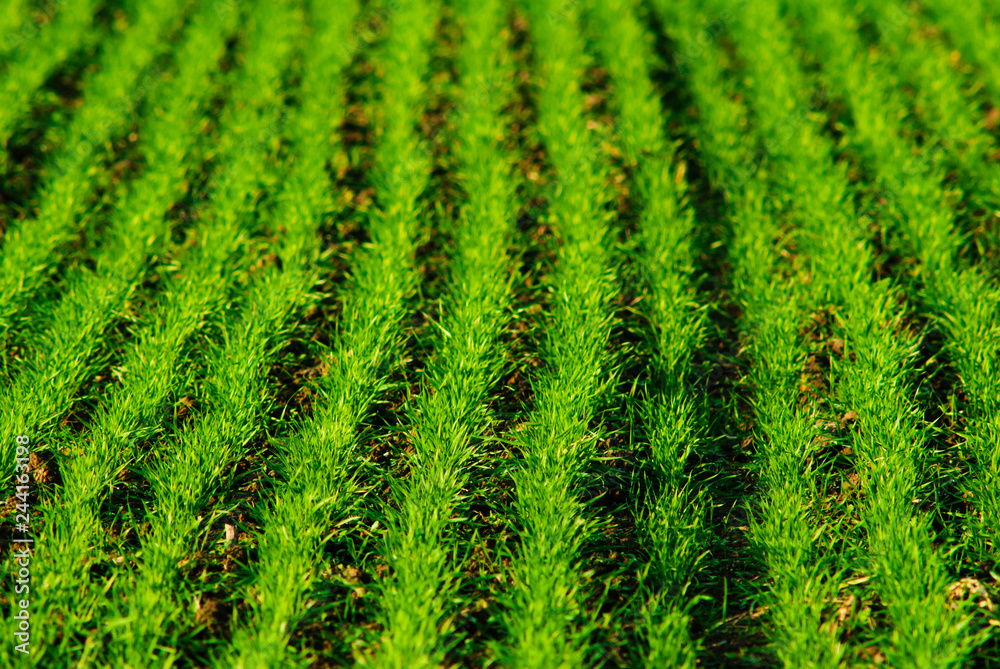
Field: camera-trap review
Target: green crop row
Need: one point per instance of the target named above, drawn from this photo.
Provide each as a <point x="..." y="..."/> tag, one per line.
<point x="449" y="416"/>
<point x="545" y="620"/>
<point x="672" y="514"/>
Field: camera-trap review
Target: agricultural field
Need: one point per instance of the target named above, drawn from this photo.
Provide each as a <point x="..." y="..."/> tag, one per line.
<point x="472" y="333"/>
